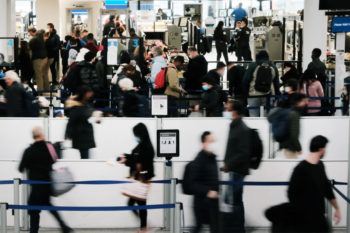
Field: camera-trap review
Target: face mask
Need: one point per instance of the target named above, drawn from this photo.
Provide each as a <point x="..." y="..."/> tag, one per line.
<point x="137" y="140"/>
<point x="211" y="147"/>
<point x="227" y="115"/>
<point x="205" y="87"/>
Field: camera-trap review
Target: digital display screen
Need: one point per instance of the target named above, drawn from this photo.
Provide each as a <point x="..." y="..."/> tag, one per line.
<point x="7" y="52"/>
<point x="334" y="4"/>
<point x="183" y="22"/>
<point x="168" y="143"/>
<point x="341" y="24"/>
<point x="116" y="4"/>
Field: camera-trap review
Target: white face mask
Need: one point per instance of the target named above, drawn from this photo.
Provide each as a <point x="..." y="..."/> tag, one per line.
<point x="137" y="140"/>
<point x="211" y="147"/>
<point x="227" y="115"/>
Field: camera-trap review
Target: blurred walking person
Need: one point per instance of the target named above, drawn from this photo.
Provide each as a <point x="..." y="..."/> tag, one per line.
<point x="140" y="162"/>
<point x="237" y="164"/>
<point x="37" y="160"/>
<point x="308" y="188"/>
<point x="79" y="129"/>
<point x="204" y="178"/>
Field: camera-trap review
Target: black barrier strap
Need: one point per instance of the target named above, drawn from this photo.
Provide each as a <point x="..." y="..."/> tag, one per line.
<point x="91" y="208"/>
<point x="341" y="194"/>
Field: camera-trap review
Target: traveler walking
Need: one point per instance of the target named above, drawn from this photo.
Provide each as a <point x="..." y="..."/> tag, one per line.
<point x="140" y="162"/>
<point x="37" y="160"/>
<point x="221" y="42"/>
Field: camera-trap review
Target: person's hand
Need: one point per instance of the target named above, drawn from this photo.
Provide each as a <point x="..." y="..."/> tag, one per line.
<point x="122" y="159"/>
<point x="213" y="194"/>
<point x="337" y="216"/>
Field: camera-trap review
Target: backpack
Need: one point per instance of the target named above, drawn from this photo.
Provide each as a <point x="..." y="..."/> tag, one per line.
<point x="263" y="76"/>
<point x="160" y="81"/>
<point x="279" y="120"/>
<point x="257" y="150"/>
<point x="186" y="180"/>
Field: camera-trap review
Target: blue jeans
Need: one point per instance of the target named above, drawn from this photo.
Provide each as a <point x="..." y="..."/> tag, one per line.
<point x="234" y="220"/>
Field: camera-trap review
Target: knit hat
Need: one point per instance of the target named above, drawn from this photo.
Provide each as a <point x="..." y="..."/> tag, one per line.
<point x="210" y="80"/>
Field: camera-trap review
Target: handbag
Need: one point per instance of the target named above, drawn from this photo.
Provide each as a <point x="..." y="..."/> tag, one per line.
<point x="136" y="190"/>
<point x="61" y="178"/>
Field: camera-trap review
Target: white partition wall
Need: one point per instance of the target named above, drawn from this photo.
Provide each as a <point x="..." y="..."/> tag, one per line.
<point x="192" y="128"/>
<point x="113" y="136"/>
<point x="16" y="135"/>
<point x="336" y="129"/>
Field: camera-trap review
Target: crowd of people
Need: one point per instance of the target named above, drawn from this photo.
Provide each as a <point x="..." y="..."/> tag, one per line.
<point x="308" y="188"/>
<point x="145" y="70"/>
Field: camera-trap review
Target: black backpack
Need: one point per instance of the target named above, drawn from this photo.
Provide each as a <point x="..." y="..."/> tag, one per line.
<point x="263" y="76"/>
<point x="257" y="149"/>
<point x="186" y="180"/>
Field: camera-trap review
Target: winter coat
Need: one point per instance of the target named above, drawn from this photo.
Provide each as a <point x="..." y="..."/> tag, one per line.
<point x="196" y="70"/>
<point x="15" y="97"/>
<point x="173" y="88"/>
<point x="237" y="157"/>
<point x="292" y="142"/>
<point x="142" y="154"/>
<point x="88" y="76"/>
<point x="79" y="129"/>
<point x="212" y="101"/>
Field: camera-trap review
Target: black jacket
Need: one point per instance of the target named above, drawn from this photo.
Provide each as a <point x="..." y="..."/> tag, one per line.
<point x="108" y="28"/>
<point x="204" y="174"/>
<point x="142" y="154"/>
<point x="15" y="97"/>
<point x="237" y="157"/>
<point x="38" y="48"/>
<point x="243" y="37"/>
<point x="79" y="129"/>
<point x="131" y="104"/>
<point x="88" y="76"/>
<point x="37" y="161"/>
<point x="196" y="70"/>
<point x="235" y="76"/>
<point x="213" y="101"/>
<point x="53" y="45"/>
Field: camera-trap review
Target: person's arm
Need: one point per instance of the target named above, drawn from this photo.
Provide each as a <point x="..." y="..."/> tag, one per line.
<point x="276" y="82"/>
<point x="294" y="130"/>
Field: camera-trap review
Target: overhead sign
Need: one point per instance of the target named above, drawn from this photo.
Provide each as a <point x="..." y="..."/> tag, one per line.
<point x="116" y="4"/>
<point x="341" y="24"/>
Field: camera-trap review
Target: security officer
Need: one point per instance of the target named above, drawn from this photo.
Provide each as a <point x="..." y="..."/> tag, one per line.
<point x="243" y="37"/>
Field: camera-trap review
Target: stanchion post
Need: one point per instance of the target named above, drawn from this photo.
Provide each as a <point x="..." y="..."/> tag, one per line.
<point x="177" y="227"/>
<point x="16" y="183"/>
<point x="262" y="111"/>
<point x="168" y="174"/>
<point x="25" y="216"/>
<point x="173" y="201"/>
<point x="3" y="217"/>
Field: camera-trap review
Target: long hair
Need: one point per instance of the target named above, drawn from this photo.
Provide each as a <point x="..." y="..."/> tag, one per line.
<point x="140" y="130"/>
